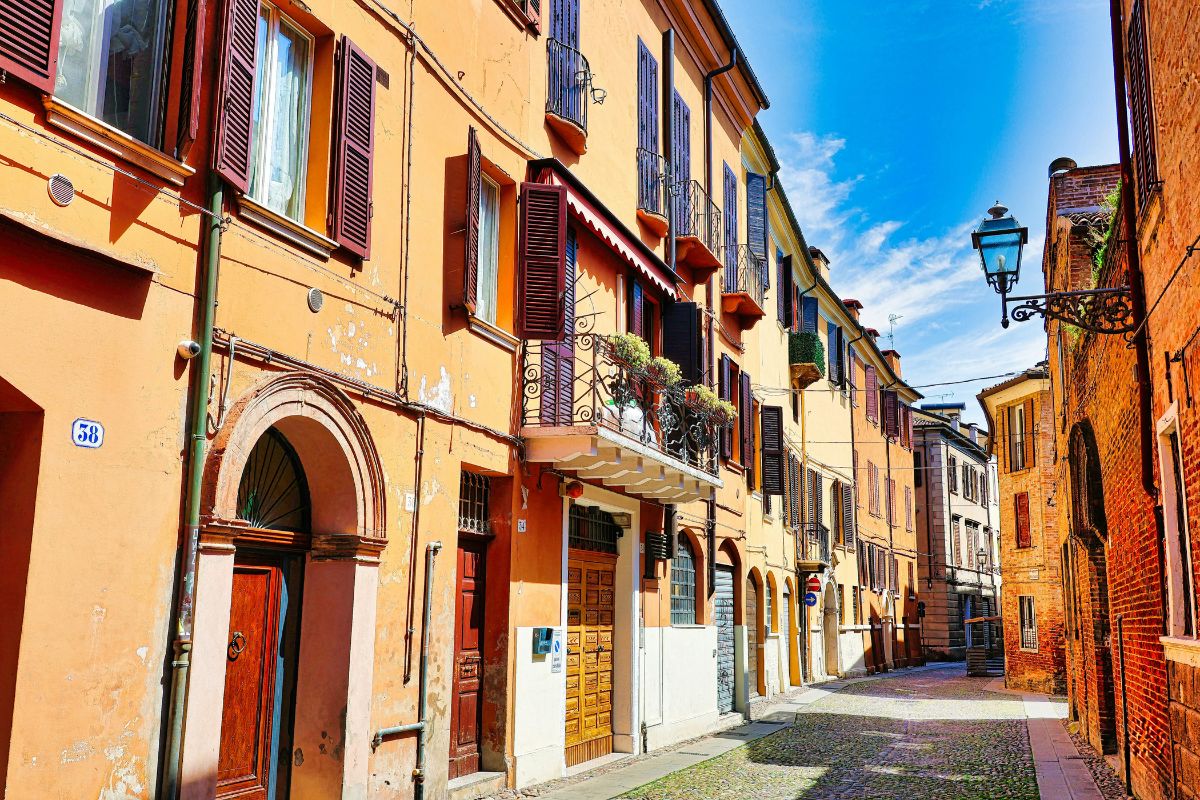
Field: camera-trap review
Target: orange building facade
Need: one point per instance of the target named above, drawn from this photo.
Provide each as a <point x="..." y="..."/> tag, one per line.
<point x="367" y="478"/>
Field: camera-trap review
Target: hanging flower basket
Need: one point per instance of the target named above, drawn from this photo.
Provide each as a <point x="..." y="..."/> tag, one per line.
<point x="663" y="372"/>
<point x="629" y="350"/>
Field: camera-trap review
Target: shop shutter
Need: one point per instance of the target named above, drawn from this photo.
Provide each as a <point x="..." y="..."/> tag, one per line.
<point x="681" y="339"/>
<point x="471" y="259"/>
<point x="353" y="153"/>
<point x="872" y="390"/>
<point x="756" y="214"/>
<point x="29" y="40"/>
<point x="236" y="87"/>
<point x="771" y="419"/>
<point x="1030" y="433"/>
<point x="784" y="290"/>
<point x="191" y="74"/>
<point x="1022" y="512"/>
<point x="731" y="231"/>
<point x="746" y="417"/>
<point x="725" y="392"/>
<point x="848" y="515"/>
<point x="810" y="315"/>
<point x="541" y="281"/>
<point x="891" y="414"/>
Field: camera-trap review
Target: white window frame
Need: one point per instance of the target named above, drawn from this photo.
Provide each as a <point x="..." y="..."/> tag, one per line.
<point x="276" y="18"/>
<point x="1170" y="470"/>
<point x="1028" y="622"/>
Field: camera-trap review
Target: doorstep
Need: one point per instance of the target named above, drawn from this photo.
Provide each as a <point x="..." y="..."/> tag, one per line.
<point x="477" y="784"/>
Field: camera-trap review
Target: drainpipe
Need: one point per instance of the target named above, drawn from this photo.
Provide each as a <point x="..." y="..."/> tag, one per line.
<point x="419" y="459"/>
<point x="420" y="727"/>
<point x="1137" y="281"/>
<point x="668" y="134"/>
<point x="197" y="421"/>
<point x="711" y="285"/>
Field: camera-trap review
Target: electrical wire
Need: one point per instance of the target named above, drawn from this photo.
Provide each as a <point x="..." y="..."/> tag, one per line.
<point x="1192" y="248"/>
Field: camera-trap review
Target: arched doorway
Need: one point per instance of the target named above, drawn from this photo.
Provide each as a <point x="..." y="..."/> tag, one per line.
<point x="753" y="639"/>
<point x="264" y="631"/>
<point x="829" y="626"/>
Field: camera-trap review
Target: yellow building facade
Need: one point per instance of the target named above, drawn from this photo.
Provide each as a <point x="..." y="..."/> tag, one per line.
<point x="353" y="461"/>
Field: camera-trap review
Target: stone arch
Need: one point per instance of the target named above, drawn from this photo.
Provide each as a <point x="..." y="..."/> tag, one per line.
<point x="331" y="439"/>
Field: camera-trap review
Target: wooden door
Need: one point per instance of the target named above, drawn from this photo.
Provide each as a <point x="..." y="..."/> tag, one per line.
<point x="750" y="620"/>
<point x="467" y="708"/>
<point x="260" y="656"/>
<point x="590" y="599"/>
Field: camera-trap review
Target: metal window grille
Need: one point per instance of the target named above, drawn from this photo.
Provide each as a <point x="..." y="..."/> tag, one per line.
<point x="474" y="493"/>
<point x="683" y="584"/>
<point x="1028" y="623"/>
<point x="593" y="529"/>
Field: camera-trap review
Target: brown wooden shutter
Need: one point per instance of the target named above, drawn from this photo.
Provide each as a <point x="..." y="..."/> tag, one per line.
<point x="1141" y="106"/>
<point x="725" y="392"/>
<point x="637" y="311"/>
<point x="541" y="281"/>
<point x="848" y="515"/>
<point x="794" y="490"/>
<point x="1022" y="514"/>
<point x="746" y="417"/>
<point x="1030" y="433"/>
<point x="533" y="10"/>
<point x="891" y="414"/>
<point x="353" y="151"/>
<point x="471" y="257"/>
<point x="236" y="88"/>
<point x="192" y="73"/>
<point x="872" y="390"/>
<point x="681" y="339"/>
<point x="29" y="40"/>
<point x="857" y="477"/>
<point x="771" y="422"/>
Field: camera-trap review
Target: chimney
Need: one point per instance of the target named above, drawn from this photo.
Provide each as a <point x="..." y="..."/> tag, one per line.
<point x="973" y="432"/>
<point x="820" y="260"/>
<point x="853" y="307"/>
<point x="874" y="334"/>
<point x="893" y="361"/>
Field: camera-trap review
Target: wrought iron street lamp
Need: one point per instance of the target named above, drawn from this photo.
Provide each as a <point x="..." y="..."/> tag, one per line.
<point x="1000" y="240"/>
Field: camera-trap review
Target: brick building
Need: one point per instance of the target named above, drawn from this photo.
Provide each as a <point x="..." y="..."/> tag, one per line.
<point x="1021" y="416"/>
<point x="957" y="526"/>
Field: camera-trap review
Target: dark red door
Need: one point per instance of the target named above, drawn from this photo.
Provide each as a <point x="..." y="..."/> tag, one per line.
<point x="247" y="722"/>
<point x="465" y="717"/>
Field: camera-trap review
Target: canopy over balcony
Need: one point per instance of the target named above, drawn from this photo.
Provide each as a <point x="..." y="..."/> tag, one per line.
<point x="590" y="415"/>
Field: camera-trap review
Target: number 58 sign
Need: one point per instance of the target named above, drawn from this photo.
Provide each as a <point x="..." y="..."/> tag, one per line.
<point x="87" y="433"/>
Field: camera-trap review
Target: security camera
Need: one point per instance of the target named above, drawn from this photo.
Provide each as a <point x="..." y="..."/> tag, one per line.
<point x="188" y="349"/>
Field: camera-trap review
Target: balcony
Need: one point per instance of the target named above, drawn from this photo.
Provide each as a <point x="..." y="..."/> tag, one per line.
<point x="697" y="229"/>
<point x="744" y="290"/>
<point x="652" y="191"/>
<point x="806" y="358"/>
<point x="812" y="548"/>
<point x="570" y="78"/>
<point x="588" y="414"/>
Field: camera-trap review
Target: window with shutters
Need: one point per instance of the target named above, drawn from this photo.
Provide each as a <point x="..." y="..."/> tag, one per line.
<point x="891" y="501"/>
<point x="1141" y="106"/>
<point x="683" y="582"/>
<point x="838" y="520"/>
<point x="956" y="543"/>
<point x="908" y="508"/>
<point x="857" y="595"/>
<point x="912" y="583"/>
<point x="282" y="112"/>
<point x="1028" y="620"/>
<point x="112" y="63"/>
<point x="918" y="469"/>
<point x="489" y="250"/>
<point x="1181" y="599"/>
<point x="772" y="452"/>
<point x="1017" y="434"/>
<point x="872" y="391"/>
<point x="952" y="473"/>
<point x="858" y="479"/>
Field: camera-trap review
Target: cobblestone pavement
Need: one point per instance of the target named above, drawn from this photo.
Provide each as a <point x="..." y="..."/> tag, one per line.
<point x="934" y="735"/>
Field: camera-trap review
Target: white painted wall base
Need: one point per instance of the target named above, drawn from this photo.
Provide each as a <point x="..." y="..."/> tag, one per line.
<point x="679" y="679"/>
<point x="539" y="711"/>
<point x="854" y="655"/>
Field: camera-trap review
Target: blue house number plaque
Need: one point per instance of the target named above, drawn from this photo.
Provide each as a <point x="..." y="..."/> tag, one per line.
<point x="87" y="433"/>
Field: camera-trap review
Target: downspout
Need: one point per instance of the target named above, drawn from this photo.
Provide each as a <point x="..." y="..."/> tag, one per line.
<point x="197" y="422"/>
<point x="668" y="134"/>
<point x="414" y="533"/>
<point x="711" y="285"/>
<point x="420" y="727"/>
<point x="1137" y="281"/>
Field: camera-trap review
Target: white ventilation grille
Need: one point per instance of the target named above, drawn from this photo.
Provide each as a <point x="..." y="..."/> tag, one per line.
<point x="315" y="300"/>
<point x="62" y="191"/>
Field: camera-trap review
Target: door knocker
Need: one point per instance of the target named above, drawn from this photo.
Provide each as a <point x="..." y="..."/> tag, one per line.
<point x="236" y="645"/>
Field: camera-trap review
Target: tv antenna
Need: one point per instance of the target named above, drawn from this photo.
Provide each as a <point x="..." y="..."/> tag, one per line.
<point x="892" y="329"/>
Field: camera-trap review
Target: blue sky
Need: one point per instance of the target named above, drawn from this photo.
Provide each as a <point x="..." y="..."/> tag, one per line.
<point x="899" y="122"/>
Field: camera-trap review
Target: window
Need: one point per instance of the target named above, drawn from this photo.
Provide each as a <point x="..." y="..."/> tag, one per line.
<point x="683" y="583"/>
<point x="837" y="521"/>
<point x="908" y="508"/>
<point x="769" y="622"/>
<point x="857" y="596"/>
<point x="474" y="496"/>
<point x="891" y="502"/>
<point x="872" y="389"/>
<point x="841" y="593"/>
<point x="1181" y="600"/>
<point x="953" y="475"/>
<point x="1141" y="106"/>
<point x="1017" y="433"/>
<point x="1028" y="623"/>
<point x="1021" y="516"/>
<point x="489" y="249"/>
<point x="112" y="63"/>
<point x="282" y="107"/>
<point x="956" y="543"/>
<point x="918" y="469"/>
<point x="912" y="583"/>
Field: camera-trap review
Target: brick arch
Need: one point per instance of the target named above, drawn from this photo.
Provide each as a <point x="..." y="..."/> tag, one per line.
<point x="331" y="439"/>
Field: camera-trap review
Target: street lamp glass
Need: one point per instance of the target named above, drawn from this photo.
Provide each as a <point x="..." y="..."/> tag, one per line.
<point x="1000" y="241"/>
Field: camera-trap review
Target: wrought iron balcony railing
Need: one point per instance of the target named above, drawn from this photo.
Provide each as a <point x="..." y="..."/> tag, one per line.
<point x="570" y="79"/>
<point x="652" y="182"/>
<point x="578" y="382"/>
<point x="745" y="273"/>
<point x="696" y="215"/>
<point x="813" y="545"/>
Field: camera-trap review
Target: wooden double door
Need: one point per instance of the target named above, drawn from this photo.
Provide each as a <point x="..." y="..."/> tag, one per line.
<point x="261" y="652"/>
<point x="466" y="714"/>
<point x="591" y="595"/>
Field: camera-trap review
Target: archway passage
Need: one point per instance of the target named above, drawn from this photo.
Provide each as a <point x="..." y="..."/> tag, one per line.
<point x="829" y="626"/>
<point x="753" y="671"/>
<point x="264" y="637"/>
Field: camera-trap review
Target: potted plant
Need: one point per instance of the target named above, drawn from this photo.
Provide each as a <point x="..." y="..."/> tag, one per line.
<point x="701" y="398"/>
<point x="629" y="350"/>
<point x="723" y="413"/>
<point x="806" y="355"/>
<point x="663" y="372"/>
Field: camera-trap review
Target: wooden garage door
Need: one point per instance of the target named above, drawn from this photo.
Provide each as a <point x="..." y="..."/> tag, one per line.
<point x="590" y="596"/>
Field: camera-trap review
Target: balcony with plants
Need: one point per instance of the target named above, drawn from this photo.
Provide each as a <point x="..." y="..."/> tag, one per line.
<point x="602" y="408"/>
<point x="806" y="357"/>
<point x="743" y="292"/>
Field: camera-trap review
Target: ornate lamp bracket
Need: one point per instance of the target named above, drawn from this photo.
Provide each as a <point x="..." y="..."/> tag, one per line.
<point x="1096" y="310"/>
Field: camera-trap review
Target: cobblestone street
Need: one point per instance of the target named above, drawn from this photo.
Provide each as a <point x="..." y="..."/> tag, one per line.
<point x="931" y="734"/>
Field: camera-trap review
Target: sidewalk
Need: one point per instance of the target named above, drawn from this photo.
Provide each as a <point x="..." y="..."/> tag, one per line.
<point x="1061" y="771"/>
<point x="780" y="715"/>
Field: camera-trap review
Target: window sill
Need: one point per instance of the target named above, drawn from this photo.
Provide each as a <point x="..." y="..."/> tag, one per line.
<point x="514" y="10"/>
<point x="116" y="142"/>
<point x="300" y="235"/>
<point x="688" y="626"/>
<point x="485" y="330"/>
<point x="734" y="467"/>
<point x="1181" y="650"/>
